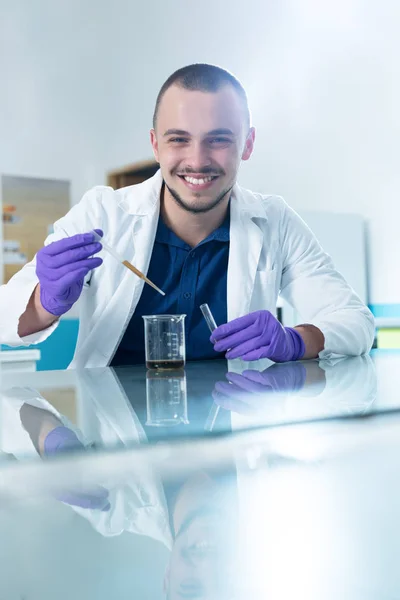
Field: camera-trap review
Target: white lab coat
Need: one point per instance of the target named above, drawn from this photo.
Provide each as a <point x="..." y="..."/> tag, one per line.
<point x="271" y="251"/>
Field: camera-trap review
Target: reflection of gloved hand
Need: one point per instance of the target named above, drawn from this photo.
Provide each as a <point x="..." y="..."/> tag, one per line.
<point x="245" y="390"/>
<point x="258" y="335"/>
<point x="62" y="440"/>
<point x="61" y="268"/>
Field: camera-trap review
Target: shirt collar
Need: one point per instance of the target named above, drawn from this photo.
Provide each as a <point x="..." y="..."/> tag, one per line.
<point x="164" y="235"/>
<point x="221" y="234"/>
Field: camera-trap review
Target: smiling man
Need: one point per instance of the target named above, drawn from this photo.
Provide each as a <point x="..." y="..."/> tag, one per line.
<point x="203" y="515"/>
<point x="201" y="238"/>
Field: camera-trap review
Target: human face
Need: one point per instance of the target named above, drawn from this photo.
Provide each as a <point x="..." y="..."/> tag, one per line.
<point x="202" y="557"/>
<point x="199" y="142"/>
<point x="200" y="565"/>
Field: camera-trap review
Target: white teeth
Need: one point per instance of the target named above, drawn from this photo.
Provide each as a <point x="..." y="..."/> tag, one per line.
<point x="201" y="181"/>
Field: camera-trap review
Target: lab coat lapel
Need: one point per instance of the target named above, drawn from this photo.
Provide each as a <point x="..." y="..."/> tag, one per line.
<point x="144" y="209"/>
<point x="139" y="231"/>
<point x="143" y="231"/>
<point x="246" y="241"/>
<point x="143" y="235"/>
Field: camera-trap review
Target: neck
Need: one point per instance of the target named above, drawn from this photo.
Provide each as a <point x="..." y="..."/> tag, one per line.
<point x="192" y="228"/>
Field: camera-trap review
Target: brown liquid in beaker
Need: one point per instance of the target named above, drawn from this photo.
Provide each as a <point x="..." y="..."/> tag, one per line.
<point x="165" y="364"/>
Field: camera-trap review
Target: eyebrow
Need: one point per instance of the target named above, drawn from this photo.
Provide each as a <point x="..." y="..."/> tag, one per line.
<point x="220" y="131"/>
<point x="176" y="132"/>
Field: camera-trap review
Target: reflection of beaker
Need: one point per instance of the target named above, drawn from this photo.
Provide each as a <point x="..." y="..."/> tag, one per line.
<point x="164" y="341"/>
<point x="166" y="396"/>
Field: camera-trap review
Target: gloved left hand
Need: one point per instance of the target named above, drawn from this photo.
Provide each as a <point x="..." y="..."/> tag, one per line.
<point x="252" y="390"/>
<point x="62" y="440"/>
<point x="258" y="335"/>
<point x="281" y="378"/>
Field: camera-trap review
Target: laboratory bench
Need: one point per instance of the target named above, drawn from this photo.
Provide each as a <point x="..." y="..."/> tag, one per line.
<point x="221" y="480"/>
<point x="19" y="360"/>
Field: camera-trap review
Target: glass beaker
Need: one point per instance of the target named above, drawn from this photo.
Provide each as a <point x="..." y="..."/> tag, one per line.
<point x="164" y="337"/>
<point x="166" y="398"/>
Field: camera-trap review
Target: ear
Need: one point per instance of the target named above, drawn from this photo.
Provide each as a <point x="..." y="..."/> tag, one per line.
<point x="249" y="144"/>
<point x="154" y="144"/>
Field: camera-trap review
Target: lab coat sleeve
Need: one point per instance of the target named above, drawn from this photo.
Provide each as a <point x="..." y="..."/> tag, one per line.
<point x="15" y="295"/>
<point x="311" y="284"/>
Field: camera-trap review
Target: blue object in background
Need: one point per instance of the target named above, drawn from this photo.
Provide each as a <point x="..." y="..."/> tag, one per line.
<point x="57" y="351"/>
<point x="388" y="311"/>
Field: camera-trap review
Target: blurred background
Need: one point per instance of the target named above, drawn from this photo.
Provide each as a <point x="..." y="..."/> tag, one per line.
<point x="79" y="82"/>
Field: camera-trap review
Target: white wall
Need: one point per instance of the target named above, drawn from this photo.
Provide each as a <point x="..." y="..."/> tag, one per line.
<point x="79" y="82"/>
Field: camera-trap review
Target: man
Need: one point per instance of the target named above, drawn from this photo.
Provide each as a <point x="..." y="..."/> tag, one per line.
<point x="200" y="238"/>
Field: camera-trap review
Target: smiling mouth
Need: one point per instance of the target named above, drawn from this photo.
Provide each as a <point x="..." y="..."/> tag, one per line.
<point x="199" y="180"/>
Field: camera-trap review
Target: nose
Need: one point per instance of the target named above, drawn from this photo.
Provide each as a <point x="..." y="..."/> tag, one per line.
<point x="198" y="157"/>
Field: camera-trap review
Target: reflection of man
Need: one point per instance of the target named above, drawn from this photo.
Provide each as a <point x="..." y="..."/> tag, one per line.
<point x="297" y="391"/>
<point x="50" y="437"/>
<point x="249" y="390"/>
<point x="202" y="514"/>
<point x="194" y="518"/>
<point x="198" y="236"/>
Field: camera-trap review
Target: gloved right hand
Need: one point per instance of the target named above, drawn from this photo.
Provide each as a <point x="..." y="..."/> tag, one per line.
<point x="61" y="268"/>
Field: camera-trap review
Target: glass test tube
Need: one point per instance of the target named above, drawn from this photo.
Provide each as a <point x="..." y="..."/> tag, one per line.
<point x="212" y="417"/>
<point x="207" y="314"/>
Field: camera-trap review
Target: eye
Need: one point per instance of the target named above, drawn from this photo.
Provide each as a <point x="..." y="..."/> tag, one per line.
<point x="219" y="140"/>
<point x="178" y="140"/>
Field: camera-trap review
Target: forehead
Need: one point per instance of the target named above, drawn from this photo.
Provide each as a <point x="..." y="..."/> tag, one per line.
<point x="198" y="112"/>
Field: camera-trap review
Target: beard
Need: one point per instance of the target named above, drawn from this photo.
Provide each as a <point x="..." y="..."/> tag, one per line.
<point x="199" y="208"/>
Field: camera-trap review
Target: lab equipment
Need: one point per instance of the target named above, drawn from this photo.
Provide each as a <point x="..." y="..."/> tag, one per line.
<point x="166" y="398"/>
<point x="214" y="410"/>
<point x="265" y="338"/>
<point x="125" y="262"/>
<point x="164" y="337"/>
<point x="207" y="314"/>
<point x="212" y="417"/>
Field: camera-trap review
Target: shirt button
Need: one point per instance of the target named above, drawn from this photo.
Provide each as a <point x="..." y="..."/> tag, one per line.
<point x="193" y="254"/>
<point x="187" y="295"/>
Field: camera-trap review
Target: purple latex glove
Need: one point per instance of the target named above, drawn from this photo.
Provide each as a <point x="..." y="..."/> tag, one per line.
<point x="62" y="440"/>
<point x="61" y="268"/>
<point x="258" y="335"/>
<point x="249" y="390"/>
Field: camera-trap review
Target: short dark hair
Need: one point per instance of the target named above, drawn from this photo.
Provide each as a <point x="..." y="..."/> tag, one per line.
<point x="204" y="78"/>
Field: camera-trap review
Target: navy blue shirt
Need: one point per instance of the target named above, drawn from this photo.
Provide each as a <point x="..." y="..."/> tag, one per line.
<point x="189" y="277"/>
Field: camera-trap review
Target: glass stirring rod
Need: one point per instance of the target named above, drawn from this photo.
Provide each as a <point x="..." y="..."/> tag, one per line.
<point x="125" y="262"/>
<point x="214" y="410"/>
